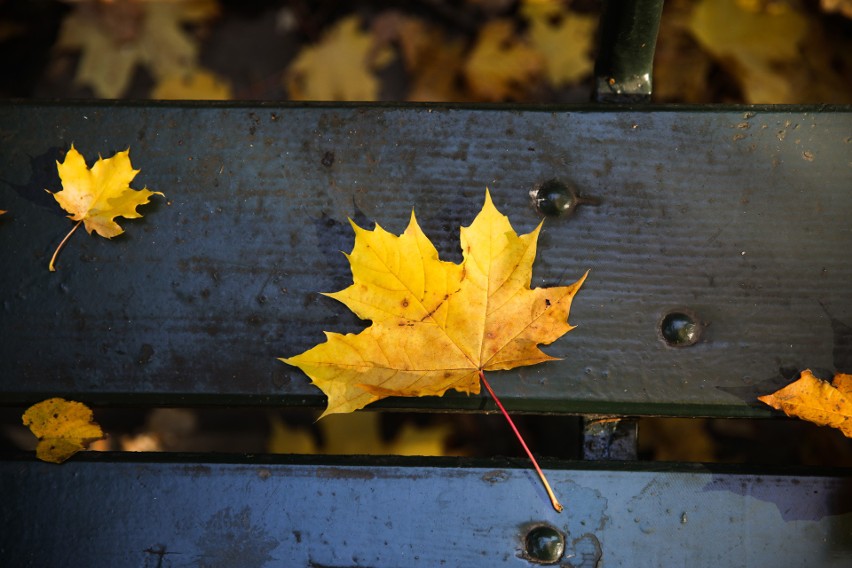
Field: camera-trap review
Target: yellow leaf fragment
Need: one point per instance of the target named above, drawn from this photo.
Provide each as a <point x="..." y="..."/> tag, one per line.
<point x="339" y="68"/>
<point x="501" y="66"/>
<point x="437" y="324"/>
<point x="98" y="195"/>
<point x="751" y="42"/>
<point x="359" y="433"/>
<point x="564" y="38"/>
<point x="63" y="427"/>
<point x="809" y="398"/>
<point x="195" y="85"/>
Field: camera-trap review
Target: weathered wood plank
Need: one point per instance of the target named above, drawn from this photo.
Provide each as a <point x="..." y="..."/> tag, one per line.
<point x="138" y="513"/>
<point x="740" y="215"/>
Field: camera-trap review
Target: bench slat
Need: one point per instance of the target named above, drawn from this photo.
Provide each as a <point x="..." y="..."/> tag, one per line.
<point x="140" y="513"/>
<point x="738" y="214"/>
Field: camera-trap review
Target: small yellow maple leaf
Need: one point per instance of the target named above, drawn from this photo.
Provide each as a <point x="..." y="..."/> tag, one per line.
<point x="437" y="325"/>
<point x="501" y="66"/>
<point x="814" y="400"/>
<point x="96" y="196"/>
<point x="63" y="427"/>
<point x="339" y="68"/>
<point x="563" y="37"/>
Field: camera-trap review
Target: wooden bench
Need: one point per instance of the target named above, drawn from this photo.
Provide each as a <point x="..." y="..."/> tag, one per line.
<point x="732" y="218"/>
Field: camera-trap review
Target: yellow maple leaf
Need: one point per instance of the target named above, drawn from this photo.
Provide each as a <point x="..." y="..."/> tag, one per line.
<point x="814" y="400"/>
<point x="96" y="196"/>
<point x="501" y="66"/>
<point x="437" y="325"/>
<point x="63" y="427"/>
<point x="115" y="37"/>
<point x="563" y="37"/>
<point x="339" y="68"/>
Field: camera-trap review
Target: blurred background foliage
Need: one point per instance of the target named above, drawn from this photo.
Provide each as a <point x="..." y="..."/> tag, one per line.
<point x="525" y="51"/>
<point x="531" y="51"/>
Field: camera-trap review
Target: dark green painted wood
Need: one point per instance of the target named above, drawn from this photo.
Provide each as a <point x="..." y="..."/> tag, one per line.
<point x="740" y="215"/>
<point x="137" y="512"/>
<point x="628" y="38"/>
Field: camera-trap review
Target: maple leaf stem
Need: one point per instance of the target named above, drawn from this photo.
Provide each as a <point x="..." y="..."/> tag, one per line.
<point x="556" y="504"/>
<point x="56" y="252"/>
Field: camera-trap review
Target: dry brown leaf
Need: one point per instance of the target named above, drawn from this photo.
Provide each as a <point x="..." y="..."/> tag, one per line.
<point x="501" y="66"/>
<point x="814" y="400"/>
<point x="681" y="66"/>
<point x="63" y="427"/>
<point x="338" y="68"/>
<point x="197" y="84"/>
<point x="115" y="37"/>
<point x="563" y="37"/>
<point x="432" y="60"/>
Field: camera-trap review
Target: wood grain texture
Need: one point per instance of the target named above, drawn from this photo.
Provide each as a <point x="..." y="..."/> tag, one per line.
<point x="404" y="513"/>
<point x="739" y="215"/>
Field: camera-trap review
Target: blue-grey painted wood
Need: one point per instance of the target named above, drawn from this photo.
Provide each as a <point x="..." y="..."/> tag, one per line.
<point x="740" y="215"/>
<point x="362" y="514"/>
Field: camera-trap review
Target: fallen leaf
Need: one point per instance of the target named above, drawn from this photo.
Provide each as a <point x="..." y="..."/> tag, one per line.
<point x="681" y="66"/>
<point x="432" y="59"/>
<point x="437" y="325"/>
<point x="564" y="38"/>
<point x="339" y="68"/>
<point x="814" y="400"/>
<point x="840" y="6"/>
<point x="115" y="37"/>
<point x="752" y="42"/>
<point x="63" y="427"/>
<point x="502" y="66"/>
<point x="196" y="85"/>
<point x="358" y="434"/>
<point x="96" y="196"/>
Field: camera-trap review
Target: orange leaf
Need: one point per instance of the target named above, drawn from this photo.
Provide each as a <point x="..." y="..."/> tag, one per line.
<point x="63" y="427"/>
<point x="809" y="398"/>
<point x="436" y="324"/>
